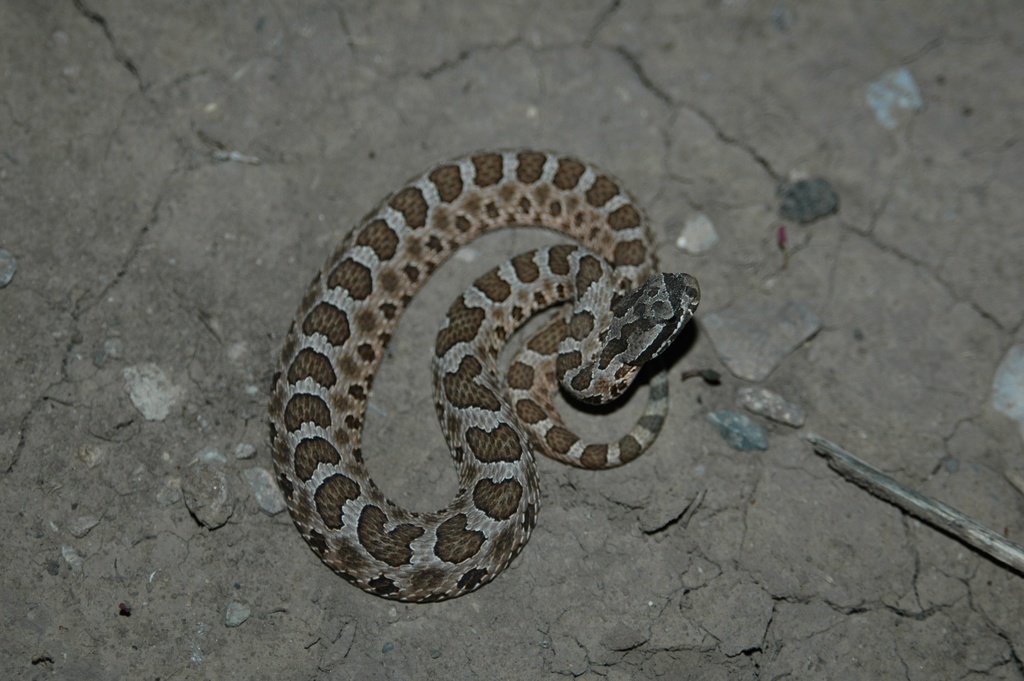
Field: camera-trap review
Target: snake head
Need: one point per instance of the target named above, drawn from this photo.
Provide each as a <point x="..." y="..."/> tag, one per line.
<point x="646" y="320"/>
<point x="639" y="326"/>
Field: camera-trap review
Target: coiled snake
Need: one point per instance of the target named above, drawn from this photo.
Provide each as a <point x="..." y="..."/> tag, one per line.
<point x="623" y="314"/>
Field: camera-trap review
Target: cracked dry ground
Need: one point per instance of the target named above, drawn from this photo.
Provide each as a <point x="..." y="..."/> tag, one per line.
<point x="172" y="174"/>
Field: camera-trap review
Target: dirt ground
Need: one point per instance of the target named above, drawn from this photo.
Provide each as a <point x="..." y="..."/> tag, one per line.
<point x="172" y="174"/>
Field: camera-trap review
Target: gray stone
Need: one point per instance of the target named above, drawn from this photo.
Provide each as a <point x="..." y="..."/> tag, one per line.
<point x="753" y="336"/>
<point x="211" y="455"/>
<point x="207" y="494"/>
<point x="264" y="488"/>
<point x="770" y="405"/>
<point x="8" y="266"/>
<point x="739" y="431"/>
<point x="236" y="614"/>
<point x="807" y="200"/>
<point x="893" y="97"/>
<point x="1008" y="386"/>
<point x="71" y="557"/>
<point x="151" y="391"/>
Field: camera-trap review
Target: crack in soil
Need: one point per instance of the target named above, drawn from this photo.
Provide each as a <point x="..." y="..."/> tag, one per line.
<point x="119" y="54"/>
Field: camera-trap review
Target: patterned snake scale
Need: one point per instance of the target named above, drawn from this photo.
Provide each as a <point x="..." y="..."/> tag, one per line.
<point x="622" y="314"/>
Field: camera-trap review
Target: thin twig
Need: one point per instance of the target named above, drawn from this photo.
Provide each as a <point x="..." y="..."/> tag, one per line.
<point x="931" y="511"/>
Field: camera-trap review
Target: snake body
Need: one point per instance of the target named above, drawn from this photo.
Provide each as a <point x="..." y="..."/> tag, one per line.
<point x="622" y="314"/>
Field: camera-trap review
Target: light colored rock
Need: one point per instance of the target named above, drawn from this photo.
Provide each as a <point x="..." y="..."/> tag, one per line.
<point x="207" y="494"/>
<point x="236" y="614"/>
<point x="71" y="556"/>
<point x="1008" y="386"/>
<point x="264" y="488"/>
<point x="151" y="391"/>
<point x="698" y="235"/>
<point x="753" y="336"/>
<point x="770" y="405"/>
<point x="893" y="97"/>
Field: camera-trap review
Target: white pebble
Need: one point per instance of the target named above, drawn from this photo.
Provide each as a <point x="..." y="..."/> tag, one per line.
<point x="71" y="556"/>
<point x="151" y="391"/>
<point x="1008" y="386"/>
<point x="698" y="235"/>
<point x="211" y="456"/>
<point x="764" y="402"/>
<point x="268" y="494"/>
<point x="236" y="614"/>
<point x="893" y="96"/>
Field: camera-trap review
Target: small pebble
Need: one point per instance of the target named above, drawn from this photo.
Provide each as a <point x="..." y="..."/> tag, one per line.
<point x="388" y="647"/>
<point x="79" y="527"/>
<point x="807" y="200"/>
<point x="235" y="614"/>
<point x="698" y="235"/>
<point x="113" y="348"/>
<point x="211" y="456"/>
<point x="8" y="266"/>
<point x="773" y="406"/>
<point x="268" y="494"/>
<point x="71" y="557"/>
<point x="150" y="391"/>
<point x="170" y="492"/>
<point x="237" y="351"/>
<point x="91" y="455"/>
<point x="739" y="431"/>
<point x="207" y="494"/>
<point x="893" y="96"/>
<point x="1008" y="386"/>
<point x="244" y="450"/>
<point x="753" y="336"/>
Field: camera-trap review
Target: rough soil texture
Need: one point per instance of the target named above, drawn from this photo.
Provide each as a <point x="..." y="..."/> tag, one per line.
<point x="144" y="234"/>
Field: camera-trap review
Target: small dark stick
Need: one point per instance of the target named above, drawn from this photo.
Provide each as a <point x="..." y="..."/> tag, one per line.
<point x="781" y="239"/>
<point x="710" y="376"/>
